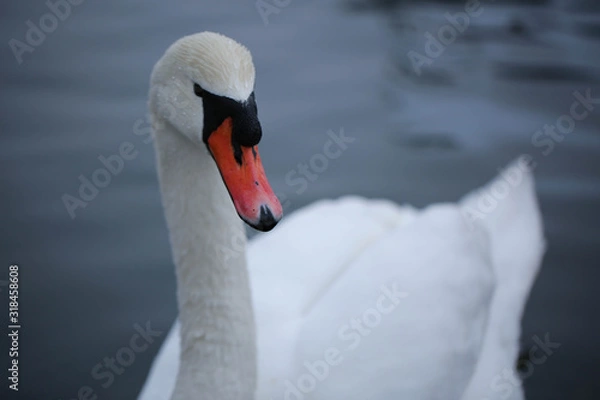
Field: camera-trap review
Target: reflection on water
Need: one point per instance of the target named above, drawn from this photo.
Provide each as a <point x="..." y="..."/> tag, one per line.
<point x="420" y="138"/>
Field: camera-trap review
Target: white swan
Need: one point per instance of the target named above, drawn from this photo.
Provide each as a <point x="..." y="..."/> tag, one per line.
<point x="354" y="298"/>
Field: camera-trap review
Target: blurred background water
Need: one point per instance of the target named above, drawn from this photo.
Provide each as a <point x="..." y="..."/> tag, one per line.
<point x="420" y="138"/>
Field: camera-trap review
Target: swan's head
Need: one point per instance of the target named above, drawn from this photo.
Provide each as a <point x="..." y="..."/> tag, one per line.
<point x="204" y="87"/>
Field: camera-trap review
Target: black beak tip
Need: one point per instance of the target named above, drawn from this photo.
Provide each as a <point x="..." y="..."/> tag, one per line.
<point x="266" y="221"/>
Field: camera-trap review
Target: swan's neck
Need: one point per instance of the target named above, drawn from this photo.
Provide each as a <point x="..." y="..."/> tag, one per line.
<point x="218" y="355"/>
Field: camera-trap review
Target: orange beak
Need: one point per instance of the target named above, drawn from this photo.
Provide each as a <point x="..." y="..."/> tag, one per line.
<point x="245" y="179"/>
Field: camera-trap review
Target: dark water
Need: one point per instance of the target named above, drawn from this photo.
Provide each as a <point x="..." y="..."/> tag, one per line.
<point x="86" y="282"/>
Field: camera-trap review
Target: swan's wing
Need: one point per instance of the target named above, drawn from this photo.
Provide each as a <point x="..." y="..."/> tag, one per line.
<point x="508" y="209"/>
<point x="161" y="379"/>
<point x="362" y="299"/>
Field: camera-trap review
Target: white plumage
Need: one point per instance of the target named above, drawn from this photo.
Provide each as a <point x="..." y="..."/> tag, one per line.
<point x="352" y="298"/>
<point x="459" y="291"/>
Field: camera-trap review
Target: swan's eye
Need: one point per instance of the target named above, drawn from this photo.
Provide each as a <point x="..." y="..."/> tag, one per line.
<point x="198" y="90"/>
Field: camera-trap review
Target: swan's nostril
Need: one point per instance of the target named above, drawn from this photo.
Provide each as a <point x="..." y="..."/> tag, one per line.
<point x="267" y="220"/>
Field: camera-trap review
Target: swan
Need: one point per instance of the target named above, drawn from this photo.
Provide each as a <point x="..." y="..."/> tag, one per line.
<point x="347" y="299"/>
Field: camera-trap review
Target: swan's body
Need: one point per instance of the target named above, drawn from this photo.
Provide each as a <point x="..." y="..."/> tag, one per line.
<point x="440" y="296"/>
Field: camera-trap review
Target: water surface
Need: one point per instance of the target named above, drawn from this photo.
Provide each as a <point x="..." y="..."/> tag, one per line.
<point x="86" y="282"/>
